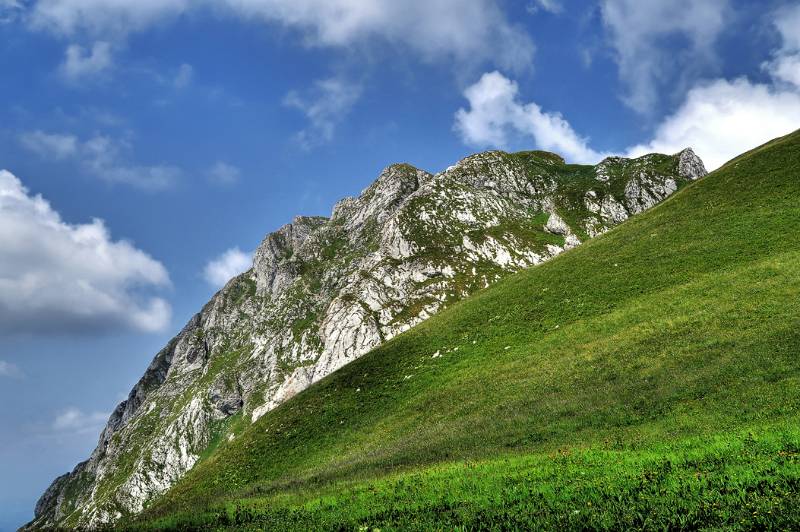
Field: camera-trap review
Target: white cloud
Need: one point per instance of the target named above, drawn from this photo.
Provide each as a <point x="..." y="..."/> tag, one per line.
<point x="50" y="145"/>
<point x="7" y="369"/>
<point x="495" y="115"/>
<point x="722" y="119"/>
<point x="719" y="120"/>
<point x="81" y="63"/>
<point x="786" y="67"/>
<point x="227" y="266"/>
<point x="184" y="76"/>
<point x="76" y="421"/>
<point x="223" y="173"/>
<point x="59" y="277"/>
<point x="469" y="32"/>
<point x="102" y="156"/>
<point x="325" y="105"/>
<point x="638" y="31"/>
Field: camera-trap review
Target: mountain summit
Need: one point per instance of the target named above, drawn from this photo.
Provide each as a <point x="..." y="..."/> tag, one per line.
<point x="324" y="291"/>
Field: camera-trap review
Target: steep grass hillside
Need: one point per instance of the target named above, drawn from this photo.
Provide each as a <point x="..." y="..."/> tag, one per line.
<point x="648" y="378"/>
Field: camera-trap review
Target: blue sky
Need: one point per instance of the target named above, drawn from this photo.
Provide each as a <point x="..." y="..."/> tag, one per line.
<point x="149" y="146"/>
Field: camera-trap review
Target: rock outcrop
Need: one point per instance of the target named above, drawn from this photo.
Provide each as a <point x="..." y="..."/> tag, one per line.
<point x="323" y="292"/>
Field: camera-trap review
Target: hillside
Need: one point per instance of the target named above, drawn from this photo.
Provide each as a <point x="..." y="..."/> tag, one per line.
<point x="323" y="292"/>
<point x="645" y="379"/>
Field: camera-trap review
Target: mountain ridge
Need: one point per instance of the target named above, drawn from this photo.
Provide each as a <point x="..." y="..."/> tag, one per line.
<point x="644" y="380"/>
<point x="323" y="291"/>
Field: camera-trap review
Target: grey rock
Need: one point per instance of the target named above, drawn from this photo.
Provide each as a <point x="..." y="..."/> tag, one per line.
<point x="690" y="165"/>
<point x="556" y="225"/>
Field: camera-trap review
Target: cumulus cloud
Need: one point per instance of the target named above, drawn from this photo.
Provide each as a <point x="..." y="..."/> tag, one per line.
<point x="223" y="173"/>
<point x="719" y="120"/>
<point x="495" y="116"/>
<point x="227" y="266"/>
<point x="57" y="277"/>
<point x="475" y="31"/>
<point x="102" y="156"/>
<point x="724" y="118"/>
<point x="638" y="31"/>
<point x="325" y="106"/>
<point x="81" y="63"/>
<point x="74" y="420"/>
<point x="7" y="369"/>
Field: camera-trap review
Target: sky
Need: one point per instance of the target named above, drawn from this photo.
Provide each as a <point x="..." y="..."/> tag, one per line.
<point x="147" y="147"/>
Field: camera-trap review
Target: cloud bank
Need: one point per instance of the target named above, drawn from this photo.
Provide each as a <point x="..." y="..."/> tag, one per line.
<point x="57" y="277"/>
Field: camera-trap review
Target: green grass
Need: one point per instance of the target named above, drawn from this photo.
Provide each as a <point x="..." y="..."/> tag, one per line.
<point x="724" y="482"/>
<point x="626" y="373"/>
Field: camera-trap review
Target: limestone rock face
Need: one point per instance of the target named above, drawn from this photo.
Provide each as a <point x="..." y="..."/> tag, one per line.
<point x="690" y="165"/>
<point x="324" y="291"/>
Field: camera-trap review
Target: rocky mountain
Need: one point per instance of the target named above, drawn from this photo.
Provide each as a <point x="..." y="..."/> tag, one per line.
<point x="323" y="292"/>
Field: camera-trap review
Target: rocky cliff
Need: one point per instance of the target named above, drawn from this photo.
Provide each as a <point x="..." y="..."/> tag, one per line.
<point x="323" y="292"/>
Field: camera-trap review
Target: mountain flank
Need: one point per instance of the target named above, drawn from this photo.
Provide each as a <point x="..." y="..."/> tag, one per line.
<point x="646" y="379"/>
<point x="324" y="291"/>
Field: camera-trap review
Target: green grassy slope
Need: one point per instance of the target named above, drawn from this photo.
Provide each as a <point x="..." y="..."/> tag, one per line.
<point x="647" y="378"/>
